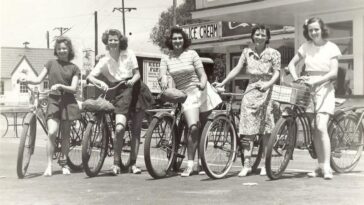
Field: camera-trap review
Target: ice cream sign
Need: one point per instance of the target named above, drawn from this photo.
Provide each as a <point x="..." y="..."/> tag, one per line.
<point x="203" y="32"/>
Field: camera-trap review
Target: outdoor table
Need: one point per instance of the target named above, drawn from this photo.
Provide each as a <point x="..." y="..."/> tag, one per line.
<point x="15" y="111"/>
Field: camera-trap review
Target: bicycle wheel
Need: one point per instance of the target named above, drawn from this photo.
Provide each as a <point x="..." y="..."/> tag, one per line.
<point x="218" y="147"/>
<point x="126" y="149"/>
<point x="94" y="146"/>
<point x="346" y="137"/>
<point x="26" y="145"/>
<point x="158" y="147"/>
<point x="74" y="159"/>
<point x="280" y="147"/>
<point x="4" y="124"/>
<point x="256" y="155"/>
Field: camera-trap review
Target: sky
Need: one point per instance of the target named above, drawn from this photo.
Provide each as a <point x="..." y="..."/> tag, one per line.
<point x="29" y="20"/>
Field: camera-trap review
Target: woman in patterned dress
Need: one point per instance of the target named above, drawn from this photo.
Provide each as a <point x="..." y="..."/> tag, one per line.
<point x="187" y="71"/>
<point x="263" y="65"/>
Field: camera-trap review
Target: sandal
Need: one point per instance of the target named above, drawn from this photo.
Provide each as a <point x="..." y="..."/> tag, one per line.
<point x="66" y="170"/>
<point x="135" y="170"/>
<point x="187" y="172"/>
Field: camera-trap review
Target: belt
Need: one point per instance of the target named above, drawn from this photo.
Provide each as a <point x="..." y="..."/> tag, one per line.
<point x="313" y="73"/>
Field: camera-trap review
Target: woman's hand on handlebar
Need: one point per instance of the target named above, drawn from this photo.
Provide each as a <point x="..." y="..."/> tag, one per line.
<point x="56" y="87"/>
<point x="130" y="83"/>
<point x="219" y="87"/>
<point x="103" y="86"/>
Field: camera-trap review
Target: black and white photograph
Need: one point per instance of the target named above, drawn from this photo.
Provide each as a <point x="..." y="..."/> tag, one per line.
<point x="182" y="102"/>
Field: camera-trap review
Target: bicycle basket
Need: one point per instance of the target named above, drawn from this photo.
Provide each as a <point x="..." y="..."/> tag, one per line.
<point x="173" y="95"/>
<point x="96" y="105"/>
<point x="296" y="94"/>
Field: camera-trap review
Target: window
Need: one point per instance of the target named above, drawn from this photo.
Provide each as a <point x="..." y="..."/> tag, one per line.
<point x="2" y="90"/>
<point x="23" y="88"/>
<point x="46" y="84"/>
<point x="341" y="33"/>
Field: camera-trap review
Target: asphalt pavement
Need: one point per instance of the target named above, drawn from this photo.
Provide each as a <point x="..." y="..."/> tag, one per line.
<point x="294" y="188"/>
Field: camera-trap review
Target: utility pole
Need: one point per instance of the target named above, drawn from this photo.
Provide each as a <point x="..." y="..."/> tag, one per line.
<point x="62" y="30"/>
<point x="47" y="37"/>
<point x="174" y="22"/>
<point x="96" y="35"/>
<point x="122" y="9"/>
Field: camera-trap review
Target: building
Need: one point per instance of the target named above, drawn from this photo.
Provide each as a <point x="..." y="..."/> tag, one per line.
<point x="16" y="61"/>
<point x="345" y="20"/>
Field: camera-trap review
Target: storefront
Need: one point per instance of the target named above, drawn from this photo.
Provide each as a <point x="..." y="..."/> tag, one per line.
<point x="345" y="20"/>
<point x="223" y="41"/>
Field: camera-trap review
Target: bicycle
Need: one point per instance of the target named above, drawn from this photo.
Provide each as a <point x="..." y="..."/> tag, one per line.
<point x="220" y="142"/>
<point x="28" y="136"/>
<point x="97" y="142"/>
<point x="346" y="131"/>
<point x="165" y="142"/>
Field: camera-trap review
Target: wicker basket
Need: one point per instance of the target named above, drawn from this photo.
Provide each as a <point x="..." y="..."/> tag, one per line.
<point x="298" y="95"/>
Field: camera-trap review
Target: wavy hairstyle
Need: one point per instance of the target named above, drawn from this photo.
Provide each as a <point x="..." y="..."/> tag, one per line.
<point x="324" y="30"/>
<point x="186" y="40"/>
<point x="67" y="41"/>
<point x="260" y="27"/>
<point x="123" y="41"/>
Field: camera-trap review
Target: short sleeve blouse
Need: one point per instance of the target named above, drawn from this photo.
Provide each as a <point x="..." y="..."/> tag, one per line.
<point x="116" y="71"/>
<point x="317" y="58"/>
<point x="265" y="63"/>
<point x="61" y="72"/>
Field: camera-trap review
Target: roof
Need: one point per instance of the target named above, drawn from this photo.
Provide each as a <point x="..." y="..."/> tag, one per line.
<point x="11" y="57"/>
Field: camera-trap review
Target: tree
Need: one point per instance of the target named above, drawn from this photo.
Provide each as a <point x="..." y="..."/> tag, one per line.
<point x="183" y="16"/>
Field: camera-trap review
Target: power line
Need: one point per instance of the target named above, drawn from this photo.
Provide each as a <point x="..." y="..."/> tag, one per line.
<point x="122" y="9"/>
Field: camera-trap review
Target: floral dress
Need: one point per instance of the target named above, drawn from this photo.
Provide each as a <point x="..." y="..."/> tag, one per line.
<point x="256" y="110"/>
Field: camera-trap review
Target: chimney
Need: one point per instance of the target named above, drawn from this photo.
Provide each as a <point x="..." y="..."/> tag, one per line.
<point x="26" y="43"/>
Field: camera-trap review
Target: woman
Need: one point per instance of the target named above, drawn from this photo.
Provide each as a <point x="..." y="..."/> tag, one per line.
<point x="62" y="105"/>
<point x="263" y="65"/>
<point x="321" y="60"/>
<point x="120" y="64"/>
<point x="186" y="69"/>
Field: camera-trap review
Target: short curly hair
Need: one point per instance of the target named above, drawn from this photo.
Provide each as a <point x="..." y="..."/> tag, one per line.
<point x="123" y="41"/>
<point x="176" y="29"/>
<point x="67" y="41"/>
<point x="324" y="30"/>
<point x="260" y="27"/>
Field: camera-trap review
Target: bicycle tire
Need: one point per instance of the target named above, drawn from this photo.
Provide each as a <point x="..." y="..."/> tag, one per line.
<point x="5" y="125"/>
<point x="74" y="158"/>
<point x="280" y="144"/>
<point x="159" y="149"/>
<point x="94" y="146"/>
<point x="346" y="142"/>
<point x="218" y="141"/>
<point x="26" y="145"/>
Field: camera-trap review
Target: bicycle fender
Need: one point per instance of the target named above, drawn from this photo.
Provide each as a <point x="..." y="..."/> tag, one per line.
<point x="216" y="113"/>
<point x="29" y="118"/>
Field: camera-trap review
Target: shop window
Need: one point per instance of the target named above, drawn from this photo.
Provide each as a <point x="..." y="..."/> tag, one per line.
<point x="23" y="88"/>
<point x="2" y="90"/>
<point x="341" y="33"/>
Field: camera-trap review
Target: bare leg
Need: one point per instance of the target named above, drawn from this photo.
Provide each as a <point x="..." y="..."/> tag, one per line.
<point x="322" y="144"/>
<point x="53" y="127"/>
<point x="120" y="121"/>
<point x="192" y="118"/>
<point x="247" y="144"/>
<point x="136" y="127"/>
<point x="65" y="145"/>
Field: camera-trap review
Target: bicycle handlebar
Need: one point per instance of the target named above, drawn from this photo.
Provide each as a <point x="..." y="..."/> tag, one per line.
<point x="109" y="89"/>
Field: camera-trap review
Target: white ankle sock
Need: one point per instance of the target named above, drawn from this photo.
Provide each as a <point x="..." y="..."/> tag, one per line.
<point x="190" y="163"/>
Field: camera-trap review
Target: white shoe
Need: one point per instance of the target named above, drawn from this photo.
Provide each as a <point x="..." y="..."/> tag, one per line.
<point x="263" y="172"/>
<point x="48" y="172"/>
<point x="66" y="170"/>
<point x="187" y="172"/>
<point x="315" y="173"/>
<point x="328" y="174"/>
<point x="245" y="171"/>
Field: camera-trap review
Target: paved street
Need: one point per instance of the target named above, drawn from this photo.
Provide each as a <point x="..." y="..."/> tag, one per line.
<point x="293" y="188"/>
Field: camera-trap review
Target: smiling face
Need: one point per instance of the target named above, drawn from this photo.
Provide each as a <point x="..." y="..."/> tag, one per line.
<point x="177" y="41"/>
<point x="260" y="37"/>
<point x="315" y="31"/>
<point x="113" y="42"/>
<point x="62" y="51"/>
